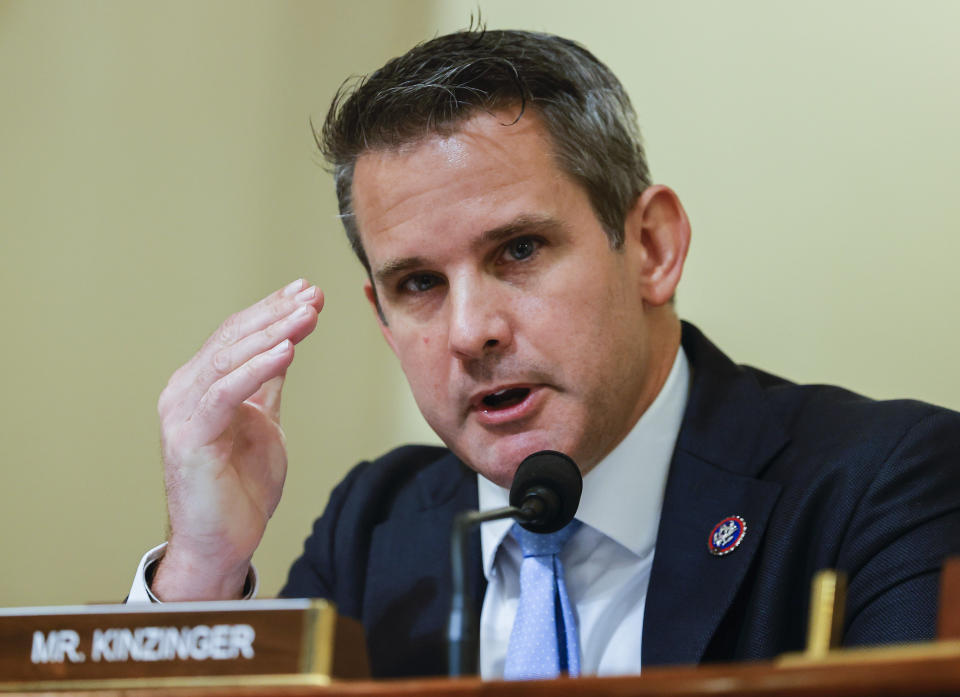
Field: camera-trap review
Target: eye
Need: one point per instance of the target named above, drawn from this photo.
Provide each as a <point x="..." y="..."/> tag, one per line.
<point x="419" y="283"/>
<point x="521" y="248"/>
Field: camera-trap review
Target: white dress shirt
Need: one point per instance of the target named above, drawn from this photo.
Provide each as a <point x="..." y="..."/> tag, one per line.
<point x="607" y="562"/>
<point x="140" y="591"/>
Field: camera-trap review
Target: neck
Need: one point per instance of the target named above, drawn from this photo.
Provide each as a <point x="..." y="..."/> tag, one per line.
<point x="663" y="332"/>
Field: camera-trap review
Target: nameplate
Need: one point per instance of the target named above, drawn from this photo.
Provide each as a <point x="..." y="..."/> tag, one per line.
<point x="137" y="641"/>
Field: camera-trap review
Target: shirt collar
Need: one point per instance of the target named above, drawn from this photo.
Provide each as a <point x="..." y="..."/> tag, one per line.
<point x="622" y="495"/>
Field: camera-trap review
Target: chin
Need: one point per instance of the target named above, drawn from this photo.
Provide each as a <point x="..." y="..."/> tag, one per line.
<point x="498" y="460"/>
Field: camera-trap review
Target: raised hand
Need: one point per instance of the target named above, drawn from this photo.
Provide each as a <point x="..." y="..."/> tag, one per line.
<point x="223" y="449"/>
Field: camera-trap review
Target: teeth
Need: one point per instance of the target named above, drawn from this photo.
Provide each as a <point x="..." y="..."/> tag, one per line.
<point x="509" y="395"/>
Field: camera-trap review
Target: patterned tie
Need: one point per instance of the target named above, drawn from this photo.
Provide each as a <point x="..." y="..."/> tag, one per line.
<point x="544" y="641"/>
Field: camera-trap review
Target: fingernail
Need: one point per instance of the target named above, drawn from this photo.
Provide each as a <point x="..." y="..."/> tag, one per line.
<point x="306" y="295"/>
<point x="280" y="348"/>
<point x="299" y="312"/>
<point x="293" y="287"/>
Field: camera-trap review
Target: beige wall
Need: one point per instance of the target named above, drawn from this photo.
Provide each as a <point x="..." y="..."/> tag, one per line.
<point x="157" y="172"/>
<point x="816" y="147"/>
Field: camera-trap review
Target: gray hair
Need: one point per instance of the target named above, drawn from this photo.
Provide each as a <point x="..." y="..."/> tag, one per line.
<point x="439" y="84"/>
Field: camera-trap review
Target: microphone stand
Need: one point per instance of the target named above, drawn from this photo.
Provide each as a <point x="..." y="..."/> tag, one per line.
<point x="544" y="497"/>
<point x="462" y="629"/>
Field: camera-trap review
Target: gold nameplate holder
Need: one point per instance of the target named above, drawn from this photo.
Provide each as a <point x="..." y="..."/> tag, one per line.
<point x="257" y="641"/>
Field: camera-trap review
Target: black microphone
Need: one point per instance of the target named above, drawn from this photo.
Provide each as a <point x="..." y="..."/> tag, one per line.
<point x="544" y="497"/>
<point x="546" y="489"/>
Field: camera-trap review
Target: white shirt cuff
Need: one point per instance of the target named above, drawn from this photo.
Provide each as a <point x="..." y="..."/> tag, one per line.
<point x="140" y="590"/>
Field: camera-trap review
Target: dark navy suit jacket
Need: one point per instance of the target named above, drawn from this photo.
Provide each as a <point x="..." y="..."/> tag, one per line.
<point x="824" y="478"/>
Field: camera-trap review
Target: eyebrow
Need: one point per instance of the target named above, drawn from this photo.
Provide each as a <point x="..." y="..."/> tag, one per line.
<point x="521" y="225"/>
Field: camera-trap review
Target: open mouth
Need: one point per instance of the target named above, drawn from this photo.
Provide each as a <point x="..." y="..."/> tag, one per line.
<point x="503" y="399"/>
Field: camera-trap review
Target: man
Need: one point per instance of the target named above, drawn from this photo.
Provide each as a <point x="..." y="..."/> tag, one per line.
<point x="522" y="268"/>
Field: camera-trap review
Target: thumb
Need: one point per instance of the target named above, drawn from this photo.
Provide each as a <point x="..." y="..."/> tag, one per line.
<point x="267" y="398"/>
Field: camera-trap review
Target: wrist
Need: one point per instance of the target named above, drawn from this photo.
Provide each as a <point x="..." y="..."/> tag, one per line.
<point x="179" y="576"/>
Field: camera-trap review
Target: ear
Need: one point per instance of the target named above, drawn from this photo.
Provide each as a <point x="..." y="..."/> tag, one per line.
<point x="371" y="294"/>
<point x="657" y="232"/>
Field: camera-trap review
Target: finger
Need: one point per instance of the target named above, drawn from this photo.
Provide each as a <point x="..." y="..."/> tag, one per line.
<point x="181" y="390"/>
<point x="275" y="306"/>
<point x="217" y="407"/>
<point x="295" y="327"/>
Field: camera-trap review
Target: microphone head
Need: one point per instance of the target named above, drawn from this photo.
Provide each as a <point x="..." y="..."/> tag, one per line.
<point x="560" y="477"/>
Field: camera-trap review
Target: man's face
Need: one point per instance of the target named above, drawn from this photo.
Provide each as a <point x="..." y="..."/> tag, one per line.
<point x="518" y="327"/>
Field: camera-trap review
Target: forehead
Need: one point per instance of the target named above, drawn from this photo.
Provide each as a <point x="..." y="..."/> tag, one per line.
<point x="493" y="166"/>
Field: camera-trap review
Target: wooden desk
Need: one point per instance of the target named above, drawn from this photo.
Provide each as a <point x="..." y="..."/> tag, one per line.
<point x="922" y="669"/>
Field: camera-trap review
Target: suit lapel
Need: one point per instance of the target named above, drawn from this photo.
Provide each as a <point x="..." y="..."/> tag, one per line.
<point x="447" y="488"/>
<point x="408" y="592"/>
<point x="690" y="588"/>
<point x="727" y="438"/>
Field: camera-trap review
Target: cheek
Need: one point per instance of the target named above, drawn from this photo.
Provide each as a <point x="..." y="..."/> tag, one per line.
<point x="424" y="368"/>
<point x="574" y="311"/>
<point x="588" y="327"/>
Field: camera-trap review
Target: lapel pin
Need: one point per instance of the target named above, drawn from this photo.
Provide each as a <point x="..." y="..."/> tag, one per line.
<point x="726" y="535"/>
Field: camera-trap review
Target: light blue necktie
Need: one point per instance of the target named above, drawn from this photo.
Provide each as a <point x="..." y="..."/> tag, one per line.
<point x="544" y="640"/>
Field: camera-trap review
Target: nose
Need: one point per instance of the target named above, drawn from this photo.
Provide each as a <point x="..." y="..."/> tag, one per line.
<point x="479" y="319"/>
